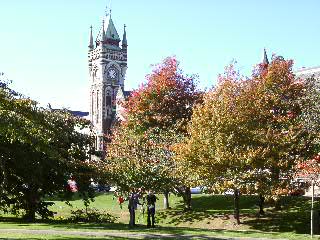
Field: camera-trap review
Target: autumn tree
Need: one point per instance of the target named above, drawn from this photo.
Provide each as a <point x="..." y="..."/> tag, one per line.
<point x="311" y="104"/>
<point x="40" y="149"/>
<point x="247" y="135"/>
<point x="311" y="113"/>
<point x="165" y="100"/>
<point x="156" y="117"/>
<point x="282" y="133"/>
<point x="149" y="165"/>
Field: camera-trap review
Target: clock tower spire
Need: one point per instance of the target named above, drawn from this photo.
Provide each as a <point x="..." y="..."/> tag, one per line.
<point x="107" y="72"/>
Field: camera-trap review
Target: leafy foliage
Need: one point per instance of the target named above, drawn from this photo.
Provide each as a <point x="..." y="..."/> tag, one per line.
<point x="248" y="133"/>
<point x="40" y="149"/>
<point x="140" y="154"/>
<point x="141" y="161"/>
<point x="91" y="215"/>
<point x="166" y="99"/>
<point x="310" y="103"/>
<point x="309" y="169"/>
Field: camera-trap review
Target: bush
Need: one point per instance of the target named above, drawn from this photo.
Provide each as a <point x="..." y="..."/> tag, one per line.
<point x="91" y="215"/>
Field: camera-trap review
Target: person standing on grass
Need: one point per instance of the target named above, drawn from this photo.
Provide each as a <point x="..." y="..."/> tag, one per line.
<point x="151" y="208"/>
<point x="133" y="202"/>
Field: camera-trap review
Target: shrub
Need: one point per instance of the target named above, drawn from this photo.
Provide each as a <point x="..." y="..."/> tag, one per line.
<point x="91" y="215"/>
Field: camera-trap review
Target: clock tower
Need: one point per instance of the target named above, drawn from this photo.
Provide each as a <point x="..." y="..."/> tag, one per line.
<point x="107" y="70"/>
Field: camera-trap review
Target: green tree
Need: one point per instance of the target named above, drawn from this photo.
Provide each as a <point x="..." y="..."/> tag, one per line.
<point x="40" y="150"/>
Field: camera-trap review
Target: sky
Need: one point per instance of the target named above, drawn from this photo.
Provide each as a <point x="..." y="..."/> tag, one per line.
<point x="44" y="44"/>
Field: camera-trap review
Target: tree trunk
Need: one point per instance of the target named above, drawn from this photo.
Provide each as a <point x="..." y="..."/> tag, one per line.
<point x="3" y="177"/>
<point x="261" y="204"/>
<point x="277" y="204"/>
<point x="187" y="194"/>
<point x="31" y="206"/>
<point x="236" y="206"/>
<point x="166" y="200"/>
<point x="275" y="177"/>
<point x="30" y="214"/>
<point x="131" y="210"/>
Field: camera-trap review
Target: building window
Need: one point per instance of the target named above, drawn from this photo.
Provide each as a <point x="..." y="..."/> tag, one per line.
<point x="108" y="97"/>
<point x="92" y="105"/>
<point x="98" y="106"/>
<point x="108" y="100"/>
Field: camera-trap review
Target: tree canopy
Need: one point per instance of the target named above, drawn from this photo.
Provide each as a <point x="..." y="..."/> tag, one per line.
<point x="40" y="149"/>
<point x="157" y="113"/>
<point x="248" y="133"/>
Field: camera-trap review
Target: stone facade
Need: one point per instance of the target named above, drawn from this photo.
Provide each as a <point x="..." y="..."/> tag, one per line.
<point x="107" y="63"/>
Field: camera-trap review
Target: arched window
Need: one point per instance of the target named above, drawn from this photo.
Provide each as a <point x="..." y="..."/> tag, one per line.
<point x="108" y="97"/>
<point x="92" y="105"/>
<point x="98" y="106"/>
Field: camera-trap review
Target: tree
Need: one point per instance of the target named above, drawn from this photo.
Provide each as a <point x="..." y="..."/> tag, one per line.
<point x="247" y="135"/>
<point x="156" y="117"/>
<point x="40" y="149"/>
<point x="166" y="100"/>
<point x="140" y="161"/>
<point x="311" y="104"/>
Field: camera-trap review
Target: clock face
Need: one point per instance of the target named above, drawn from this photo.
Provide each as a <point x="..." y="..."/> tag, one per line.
<point x="112" y="73"/>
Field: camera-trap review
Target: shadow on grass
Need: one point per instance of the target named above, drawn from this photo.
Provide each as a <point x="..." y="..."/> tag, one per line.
<point x="146" y="233"/>
<point x="209" y="207"/>
<point x="220" y="202"/>
<point x="151" y="236"/>
<point x="64" y="238"/>
<point x="293" y="217"/>
<point x="140" y="231"/>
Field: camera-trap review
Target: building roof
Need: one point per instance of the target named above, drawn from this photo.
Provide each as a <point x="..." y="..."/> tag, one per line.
<point x="79" y="113"/>
<point x="109" y="28"/>
<point x="308" y="72"/>
<point x="111" y="31"/>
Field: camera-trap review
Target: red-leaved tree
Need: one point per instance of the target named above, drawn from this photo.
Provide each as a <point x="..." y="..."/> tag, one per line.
<point x="157" y="113"/>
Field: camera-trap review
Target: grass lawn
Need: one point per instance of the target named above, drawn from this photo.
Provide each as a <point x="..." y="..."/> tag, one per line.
<point x="13" y="236"/>
<point x="211" y="215"/>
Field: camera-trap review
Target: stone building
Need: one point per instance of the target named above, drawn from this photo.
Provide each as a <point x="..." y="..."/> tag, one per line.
<point x="107" y="62"/>
<point x="306" y="73"/>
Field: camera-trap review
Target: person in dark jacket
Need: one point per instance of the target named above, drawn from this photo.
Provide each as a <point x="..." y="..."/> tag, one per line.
<point x="133" y="201"/>
<point x="151" y="208"/>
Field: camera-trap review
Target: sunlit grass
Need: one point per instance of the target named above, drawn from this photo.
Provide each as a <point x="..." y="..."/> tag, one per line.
<point x="211" y="215"/>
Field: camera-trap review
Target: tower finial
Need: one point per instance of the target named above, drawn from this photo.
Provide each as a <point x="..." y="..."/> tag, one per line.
<point x="124" y="38"/>
<point x="108" y="9"/>
<point x="265" y="57"/>
<point x="103" y="35"/>
<point x="90" y="39"/>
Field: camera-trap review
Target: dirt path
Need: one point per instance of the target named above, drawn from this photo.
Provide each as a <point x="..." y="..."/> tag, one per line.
<point x="127" y="235"/>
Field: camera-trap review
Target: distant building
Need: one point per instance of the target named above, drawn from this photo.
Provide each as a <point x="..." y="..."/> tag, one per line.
<point x="305" y="73"/>
<point x="80" y="114"/>
<point x="107" y="63"/>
